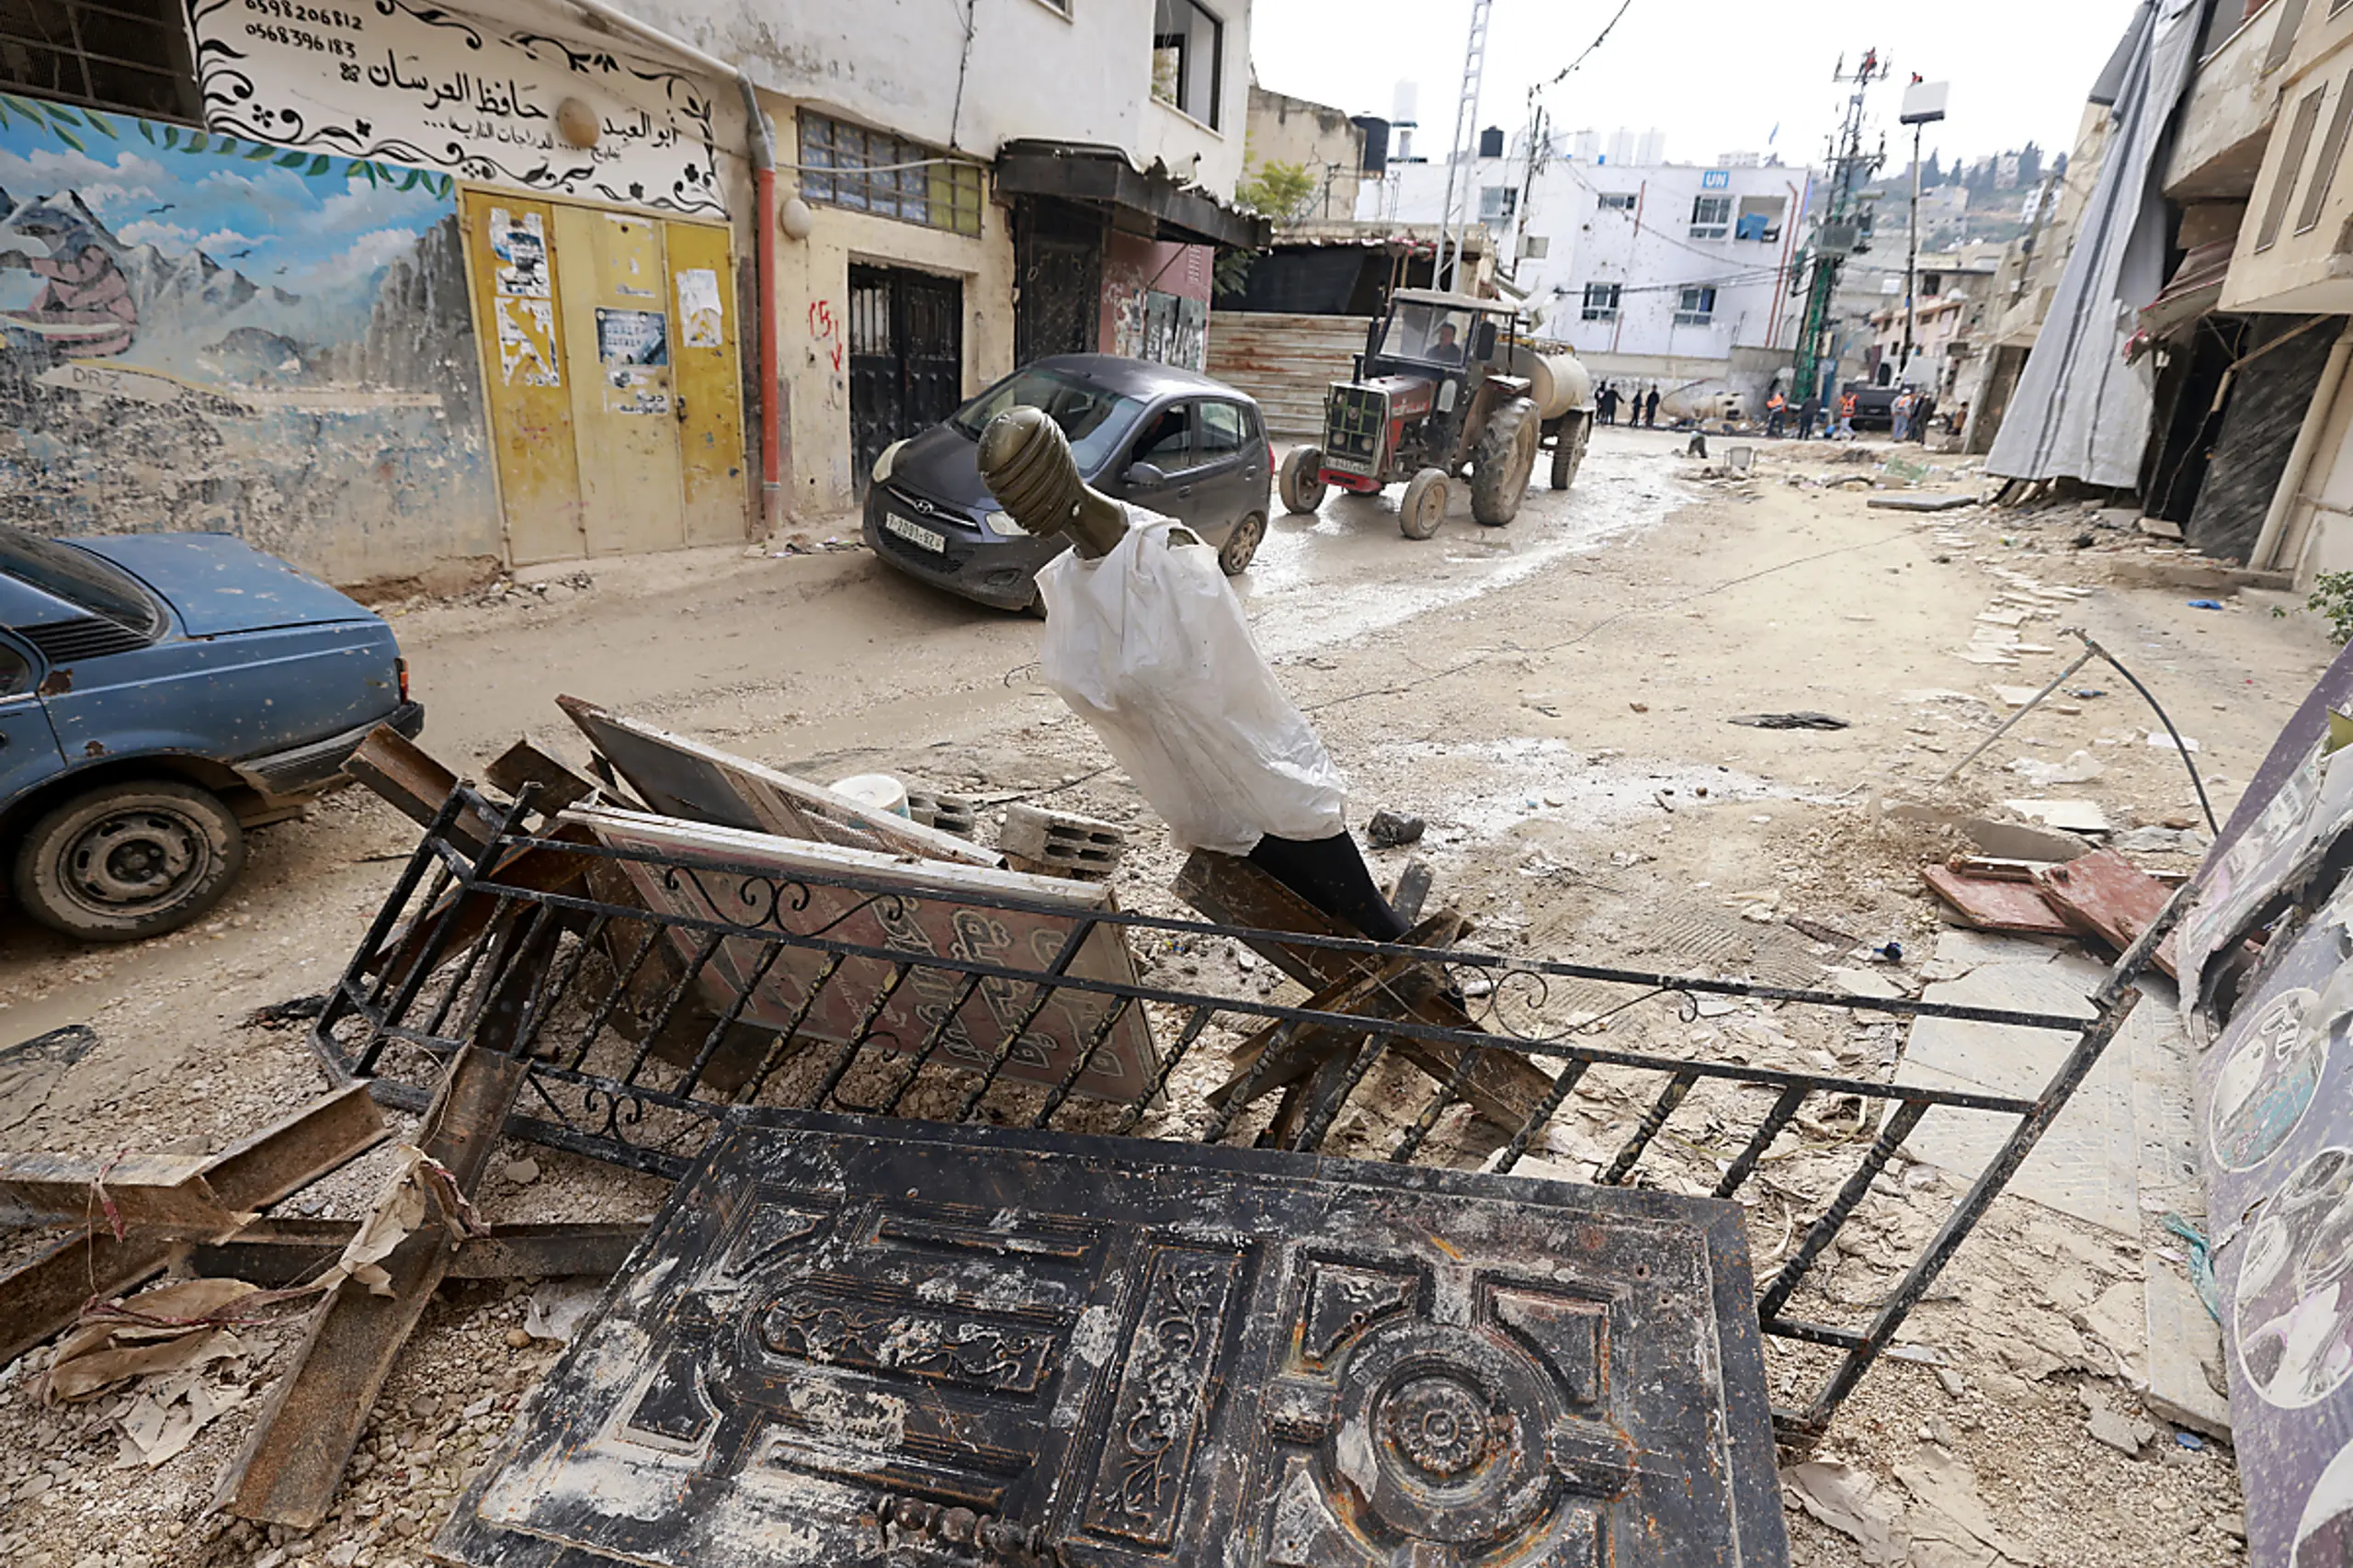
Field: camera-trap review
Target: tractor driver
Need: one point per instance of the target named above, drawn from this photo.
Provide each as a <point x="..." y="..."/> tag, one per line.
<point x="1445" y="350"/>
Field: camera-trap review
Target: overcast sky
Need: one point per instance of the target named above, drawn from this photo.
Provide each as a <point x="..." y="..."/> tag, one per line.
<point x="1715" y="75"/>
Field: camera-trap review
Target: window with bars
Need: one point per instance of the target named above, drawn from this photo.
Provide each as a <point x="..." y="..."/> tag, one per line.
<point x="873" y="171"/>
<point x="1497" y="203"/>
<point x="1710" y="217"/>
<point x="1601" y="301"/>
<point x="1695" y="307"/>
<point x="131" y="55"/>
<point x="1617" y="201"/>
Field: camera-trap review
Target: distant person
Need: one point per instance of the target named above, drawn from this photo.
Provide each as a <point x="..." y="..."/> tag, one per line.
<point x="1650" y="410"/>
<point x="1604" y="402"/>
<point x="1777" y="408"/>
<point x="1923" y="410"/>
<point x="1445" y="350"/>
<point x="1900" y="418"/>
<point x="1809" y="411"/>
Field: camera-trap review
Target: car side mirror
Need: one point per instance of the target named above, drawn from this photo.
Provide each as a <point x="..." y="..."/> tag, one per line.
<point x="1483" y="341"/>
<point x="1143" y="476"/>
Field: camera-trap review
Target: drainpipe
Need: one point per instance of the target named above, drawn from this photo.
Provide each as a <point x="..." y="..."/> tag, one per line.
<point x="762" y="150"/>
<point x="2300" y="457"/>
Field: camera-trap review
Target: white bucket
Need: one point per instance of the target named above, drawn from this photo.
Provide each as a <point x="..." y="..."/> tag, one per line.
<point x="875" y="792"/>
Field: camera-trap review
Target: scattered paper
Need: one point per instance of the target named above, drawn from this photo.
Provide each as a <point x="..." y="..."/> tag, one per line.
<point x="2074" y="816"/>
<point x="1841" y="1496"/>
<point x="168" y="1329"/>
<point x="2164" y="743"/>
<point x="2080" y="769"/>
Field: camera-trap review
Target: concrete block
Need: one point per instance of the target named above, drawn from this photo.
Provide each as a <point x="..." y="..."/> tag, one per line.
<point x="1063" y="842"/>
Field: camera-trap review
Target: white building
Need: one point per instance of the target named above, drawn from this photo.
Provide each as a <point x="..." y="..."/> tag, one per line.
<point x="1666" y="274"/>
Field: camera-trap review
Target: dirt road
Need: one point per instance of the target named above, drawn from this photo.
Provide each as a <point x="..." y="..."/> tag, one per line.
<point x="1553" y="696"/>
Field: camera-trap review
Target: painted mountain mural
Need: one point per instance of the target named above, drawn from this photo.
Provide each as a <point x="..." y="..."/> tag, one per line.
<point x="199" y="332"/>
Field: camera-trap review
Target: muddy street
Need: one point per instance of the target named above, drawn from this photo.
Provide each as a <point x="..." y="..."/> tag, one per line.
<point x="1552" y="698"/>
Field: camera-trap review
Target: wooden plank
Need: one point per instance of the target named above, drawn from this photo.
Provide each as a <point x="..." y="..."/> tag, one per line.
<point x="406" y="775"/>
<point x="684" y="778"/>
<point x="1505" y="1086"/>
<point x="1991" y="905"/>
<point x="2106" y="896"/>
<point x="164" y="1195"/>
<point x="43" y="1296"/>
<point x="528" y="762"/>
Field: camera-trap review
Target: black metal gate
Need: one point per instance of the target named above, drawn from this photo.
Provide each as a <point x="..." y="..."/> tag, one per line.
<point x="906" y="358"/>
<point x="638" y="1028"/>
<point x="1058" y="256"/>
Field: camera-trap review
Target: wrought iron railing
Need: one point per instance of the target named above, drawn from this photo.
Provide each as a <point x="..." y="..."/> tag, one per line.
<point x="635" y="1024"/>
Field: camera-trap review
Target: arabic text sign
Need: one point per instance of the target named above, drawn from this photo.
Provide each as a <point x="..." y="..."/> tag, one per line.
<point x="428" y="87"/>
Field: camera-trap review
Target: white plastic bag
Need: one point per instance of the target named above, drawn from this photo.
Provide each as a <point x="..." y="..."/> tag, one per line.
<point x="1150" y="647"/>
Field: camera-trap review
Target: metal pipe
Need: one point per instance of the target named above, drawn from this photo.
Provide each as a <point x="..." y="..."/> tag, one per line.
<point x="2011" y="722"/>
<point x="2300" y="455"/>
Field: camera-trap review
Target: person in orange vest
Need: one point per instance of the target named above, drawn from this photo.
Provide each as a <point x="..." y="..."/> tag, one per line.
<point x="1776" y="407"/>
<point x="1846" y="415"/>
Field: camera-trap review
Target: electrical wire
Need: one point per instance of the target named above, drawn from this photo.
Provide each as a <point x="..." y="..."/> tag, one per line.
<point x="1563" y="74"/>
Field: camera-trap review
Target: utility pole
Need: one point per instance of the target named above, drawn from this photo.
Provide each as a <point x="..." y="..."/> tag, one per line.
<point x="1453" y="220"/>
<point x="1838" y="235"/>
<point x="1924" y="104"/>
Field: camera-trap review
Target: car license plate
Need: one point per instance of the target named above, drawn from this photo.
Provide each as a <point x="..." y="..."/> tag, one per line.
<point x="916" y="533"/>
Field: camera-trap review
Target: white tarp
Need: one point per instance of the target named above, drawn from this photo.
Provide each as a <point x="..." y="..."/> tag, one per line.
<point x="2080" y="411"/>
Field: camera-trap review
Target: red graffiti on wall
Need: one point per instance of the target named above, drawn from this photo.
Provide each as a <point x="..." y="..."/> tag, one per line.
<point x="825" y="335"/>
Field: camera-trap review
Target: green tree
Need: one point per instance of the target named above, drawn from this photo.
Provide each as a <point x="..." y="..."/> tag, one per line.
<point x="1283" y="192"/>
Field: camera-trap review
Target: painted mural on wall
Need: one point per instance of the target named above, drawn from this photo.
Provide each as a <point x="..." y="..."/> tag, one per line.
<point x="201" y="332"/>
<point x="2275" y="1109"/>
<point x="419" y="85"/>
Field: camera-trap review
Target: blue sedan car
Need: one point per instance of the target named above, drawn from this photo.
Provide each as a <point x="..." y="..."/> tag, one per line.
<point x="160" y="694"/>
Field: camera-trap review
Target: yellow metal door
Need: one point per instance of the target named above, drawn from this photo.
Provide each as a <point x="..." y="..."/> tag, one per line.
<point x="624" y="403"/>
<point x="710" y="383"/>
<point x="526" y="365"/>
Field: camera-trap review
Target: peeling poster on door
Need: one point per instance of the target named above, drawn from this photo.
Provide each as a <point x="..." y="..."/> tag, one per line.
<point x="698" y="316"/>
<point x="521" y="247"/>
<point x="527" y="342"/>
<point x="633" y="337"/>
<point x="629" y="390"/>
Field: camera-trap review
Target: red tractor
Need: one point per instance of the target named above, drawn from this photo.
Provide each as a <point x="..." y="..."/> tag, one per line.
<point x="1444" y="389"/>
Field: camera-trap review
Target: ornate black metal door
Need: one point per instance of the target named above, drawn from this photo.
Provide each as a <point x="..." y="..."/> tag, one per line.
<point x="906" y="358"/>
<point x="852" y="1339"/>
<point x="1058" y="257"/>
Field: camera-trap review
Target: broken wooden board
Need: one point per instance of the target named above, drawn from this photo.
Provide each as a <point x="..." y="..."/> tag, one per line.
<point x="684" y="778"/>
<point x="408" y="777"/>
<point x="44" y="1295"/>
<point x="1991" y="904"/>
<point x="1505" y="1086"/>
<point x="2106" y="896"/>
<point x="934" y="909"/>
<point x="1101" y="1351"/>
<point x="160" y="1194"/>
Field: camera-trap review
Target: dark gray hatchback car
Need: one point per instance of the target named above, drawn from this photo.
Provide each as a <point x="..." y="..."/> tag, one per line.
<point x="1170" y="440"/>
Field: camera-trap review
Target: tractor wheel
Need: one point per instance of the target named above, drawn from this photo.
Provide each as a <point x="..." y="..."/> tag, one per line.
<point x="1503" y="461"/>
<point x="1424" y="507"/>
<point x="1300" y="481"/>
<point x="1568" y="448"/>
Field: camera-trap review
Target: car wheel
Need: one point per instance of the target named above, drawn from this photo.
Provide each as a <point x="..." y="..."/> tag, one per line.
<point x="1424" y="507"/>
<point x="129" y="861"/>
<point x="1300" y="480"/>
<point x="1240" y="546"/>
